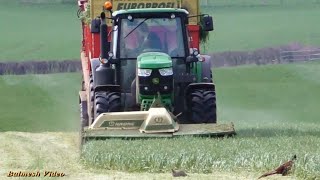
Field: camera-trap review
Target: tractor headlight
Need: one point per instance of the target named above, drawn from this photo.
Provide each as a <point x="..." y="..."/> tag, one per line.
<point x="144" y="72"/>
<point x="166" y="72"/>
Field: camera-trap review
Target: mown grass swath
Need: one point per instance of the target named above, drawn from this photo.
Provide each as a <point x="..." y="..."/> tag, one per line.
<point x="274" y="108"/>
<point x="199" y="155"/>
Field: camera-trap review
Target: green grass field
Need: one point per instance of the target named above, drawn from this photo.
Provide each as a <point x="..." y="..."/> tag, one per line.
<point x="274" y="109"/>
<point x="249" y="28"/>
<point x="39" y="103"/>
<point x="39" y="32"/>
<point x="53" y="32"/>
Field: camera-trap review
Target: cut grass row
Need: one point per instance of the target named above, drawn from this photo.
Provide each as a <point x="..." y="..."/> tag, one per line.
<point x="200" y="155"/>
<point x="275" y="112"/>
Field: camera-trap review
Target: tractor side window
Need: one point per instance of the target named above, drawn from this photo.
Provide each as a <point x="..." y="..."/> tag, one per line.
<point x="130" y="39"/>
<point x="174" y="39"/>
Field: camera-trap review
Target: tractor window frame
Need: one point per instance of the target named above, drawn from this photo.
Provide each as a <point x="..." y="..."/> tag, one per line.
<point x="114" y="40"/>
<point x="182" y="29"/>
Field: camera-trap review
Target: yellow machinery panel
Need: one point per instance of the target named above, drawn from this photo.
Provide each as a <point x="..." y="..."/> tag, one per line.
<point x="192" y="6"/>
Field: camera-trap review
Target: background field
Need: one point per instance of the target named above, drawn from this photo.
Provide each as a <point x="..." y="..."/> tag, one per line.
<point x="248" y="28"/>
<point x="39" y="31"/>
<point x="51" y="31"/>
<point x="39" y="102"/>
<point x="275" y="108"/>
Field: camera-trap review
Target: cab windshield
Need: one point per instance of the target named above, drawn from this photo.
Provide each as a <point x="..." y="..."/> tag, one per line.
<point x="151" y="35"/>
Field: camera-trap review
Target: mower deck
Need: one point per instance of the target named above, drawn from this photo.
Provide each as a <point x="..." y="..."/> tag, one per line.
<point x="217" y="130"/>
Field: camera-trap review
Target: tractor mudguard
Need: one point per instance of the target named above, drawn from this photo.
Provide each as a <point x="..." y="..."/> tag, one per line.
<point x="109" y="87"/>
<point x="192" y="86"/>
<point x="206" y="75"/>
<point x="94" y="64"/>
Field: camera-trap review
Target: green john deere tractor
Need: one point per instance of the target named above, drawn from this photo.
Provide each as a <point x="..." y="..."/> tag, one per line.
<point x="149" y="81"/>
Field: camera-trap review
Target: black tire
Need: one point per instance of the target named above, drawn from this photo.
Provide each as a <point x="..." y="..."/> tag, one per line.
<point x="107" y="102"/>
<point x="91" y="87"/>
<point x="82" y="140"/>
<point x="211" y="77"/>
<point x="84" y="121"/>
<point x="203" y="106"/>
<point x="83" y="115"/>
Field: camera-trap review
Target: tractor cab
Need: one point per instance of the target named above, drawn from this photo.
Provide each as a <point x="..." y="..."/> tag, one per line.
<point x="144" y="42"/>
<point x="150" y="56"/>
<point x="143" y="75"/>
<point x="140" y="31"/>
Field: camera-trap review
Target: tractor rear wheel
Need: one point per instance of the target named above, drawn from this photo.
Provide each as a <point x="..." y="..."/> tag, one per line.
<point x="91" y="89"/>
<point x="107" y="102"/>
<point x="91" y="94"/>
<point x="84" y="121"/>
<point x="83" y="115"/>
<point x="203" y="106"/>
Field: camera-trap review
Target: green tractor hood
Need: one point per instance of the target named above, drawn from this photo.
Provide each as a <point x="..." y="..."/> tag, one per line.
<point x="154" y="60"/>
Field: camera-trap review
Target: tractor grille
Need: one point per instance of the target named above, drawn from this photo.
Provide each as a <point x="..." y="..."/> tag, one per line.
<point x="155" y="83"/>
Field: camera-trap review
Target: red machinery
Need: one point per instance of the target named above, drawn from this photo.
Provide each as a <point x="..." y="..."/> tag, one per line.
<point x="91" y="41"/>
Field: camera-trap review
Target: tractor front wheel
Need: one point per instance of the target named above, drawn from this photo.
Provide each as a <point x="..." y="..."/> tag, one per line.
<point x="107" y="102"/>
<point x="202" y="105"/>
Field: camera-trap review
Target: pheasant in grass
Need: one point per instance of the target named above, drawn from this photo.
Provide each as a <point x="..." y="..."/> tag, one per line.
<point x="283" y="169"/>
<point x="177" y="173"/>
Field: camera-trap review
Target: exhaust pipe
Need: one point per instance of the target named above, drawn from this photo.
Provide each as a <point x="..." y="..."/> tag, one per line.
<point x="104" y="74"/>
<point x="104" y="45"/>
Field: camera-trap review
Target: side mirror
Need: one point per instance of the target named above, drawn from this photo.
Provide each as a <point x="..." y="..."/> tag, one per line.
<point x="207" y="23"/>
<point x="193" y="57"/>
<point x="110" y="55"/>
<point x="95" y="25"/>
<point x="111" y="59"/>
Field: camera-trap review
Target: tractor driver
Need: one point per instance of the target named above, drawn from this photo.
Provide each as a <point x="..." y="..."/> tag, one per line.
<point x="139" y="40"/>
<point x="148" y="39"/>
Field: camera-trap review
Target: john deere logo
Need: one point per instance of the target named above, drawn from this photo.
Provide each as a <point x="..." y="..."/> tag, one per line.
<point x="158" y="120"/>
<point x="155" y="80"/>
